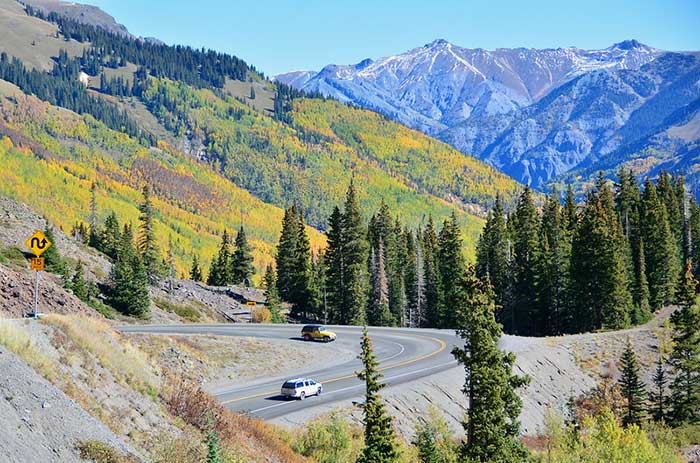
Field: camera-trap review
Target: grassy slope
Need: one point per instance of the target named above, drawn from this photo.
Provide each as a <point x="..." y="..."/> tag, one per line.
<point x="30" y="39"/>
<point x="193" y="203"/>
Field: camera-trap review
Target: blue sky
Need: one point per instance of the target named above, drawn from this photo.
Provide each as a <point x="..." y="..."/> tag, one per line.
<point x="280" y="36"/>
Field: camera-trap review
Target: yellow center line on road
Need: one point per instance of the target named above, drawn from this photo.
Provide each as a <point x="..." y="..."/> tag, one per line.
<point x="442" y="343"/>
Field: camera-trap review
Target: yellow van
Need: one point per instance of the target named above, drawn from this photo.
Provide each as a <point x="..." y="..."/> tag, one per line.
<point x="317" y="333"/>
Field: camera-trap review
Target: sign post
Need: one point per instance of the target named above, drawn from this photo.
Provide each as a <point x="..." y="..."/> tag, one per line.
<point x="38" y="243"/>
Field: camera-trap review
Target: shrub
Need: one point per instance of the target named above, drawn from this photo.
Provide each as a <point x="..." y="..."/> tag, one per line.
<point x="104" y="310"/>
<point x="199" y="409"/>
<point x="99" y="452"/>
<point x="330" y="439"/>
<point x="186" y="448"/>
<point x="261" y="315"/>
<point x="13" y="257"/>
<point x="185" y="311"/>
<point x="601" y="439"/>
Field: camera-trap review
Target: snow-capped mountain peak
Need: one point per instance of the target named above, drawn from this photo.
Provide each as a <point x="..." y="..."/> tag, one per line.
<point x="441" y="84"/>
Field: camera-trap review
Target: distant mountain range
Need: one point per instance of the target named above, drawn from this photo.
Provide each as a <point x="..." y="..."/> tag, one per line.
<point x="535" y="114"/>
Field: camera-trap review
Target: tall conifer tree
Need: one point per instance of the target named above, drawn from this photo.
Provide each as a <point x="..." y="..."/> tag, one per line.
<point x="380" y="440"/>
<point x="147" y="244"/>
<point x="451" y="268"/>
<point x="129" y="280"/>
<point x="432" y="275"/>
<point x="493" y="257"/>
<point x="378" y="313"/>
<point x="286" y="257"/>
<point x="685" y="358"/>
<point x="632" y="388"/>
<point x="335" y="267"/>
<point x="658" y="398"/>
<point x="661" y="252"/>
<point x="220" y="270"/>
<point x="355" y="255"/>
<point x="492" y="425"/>
<point x="195" y="269"/>
<point x="524" y="314"/>
<point x="242" y="269"/>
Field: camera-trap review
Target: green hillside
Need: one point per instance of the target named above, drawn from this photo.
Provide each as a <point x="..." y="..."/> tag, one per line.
<point x="49" y="158"/>
<point x="215" y="137"/>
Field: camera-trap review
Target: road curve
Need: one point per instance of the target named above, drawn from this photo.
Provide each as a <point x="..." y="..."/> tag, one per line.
<point x="404" y="355"/>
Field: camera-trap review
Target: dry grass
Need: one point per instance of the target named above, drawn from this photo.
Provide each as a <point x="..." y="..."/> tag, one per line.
<point x="251" y="437"/>
<point x="122" y="359"/>
<point x="262" y="315"/>
<point x="17" y="339"/>
<point x="99" y="452"/>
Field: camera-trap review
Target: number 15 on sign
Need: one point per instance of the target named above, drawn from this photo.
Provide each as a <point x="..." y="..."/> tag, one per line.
<point x="38" y="243"/>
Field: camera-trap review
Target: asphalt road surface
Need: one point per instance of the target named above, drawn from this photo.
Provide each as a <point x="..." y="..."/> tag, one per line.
<point x="403" y="354"/>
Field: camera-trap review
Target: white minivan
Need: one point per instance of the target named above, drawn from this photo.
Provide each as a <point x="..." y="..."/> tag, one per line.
<point x="301" y="388"/>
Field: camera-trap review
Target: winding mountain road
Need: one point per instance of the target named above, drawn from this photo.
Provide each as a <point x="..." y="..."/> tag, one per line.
<point x="403" y="354"/>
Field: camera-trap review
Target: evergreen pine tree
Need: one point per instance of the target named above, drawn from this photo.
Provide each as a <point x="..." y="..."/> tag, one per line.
<point x="273" y="300"/>
<point x="195" y="270"/>
<point x="380" y="441"/>
<point x="335" y="267"/>
<point x="694" y="236"/>
<point x="94" y="238"/>
<point x="661" y="252"/>
<point x="427" y="448"/>
<point x="53" y="261"/>
<point x="570" y="210"/>
<point x="355" y="254"/>
<point x="286" y="257"/>
<point x="552" y="275"/>
<point x="667" y="195"/>
<point x="524" y="316"/>
<point x="493" y="257"/>
<point x="415" y="280"/>
<point x="242" y="269"/>
<point x="685" y="358"/>
<point x="129" y="281"/>
<point x="431" y="291"/>
<point x="378" y="313"/>
<point x="600" y="288"/>
<point x="78" y="284"/>
<point x="299" y="294"/>
<point x="658" y="399"/>
<point x="317" y="288"/>
<point x="451" y="267"/>
<point x="110" y="236"/>
<point x="147" y="244"/>
<point x="220" y="270"/>
<point x="492" y="418"/>
<point x="632" y="388"/>
<point x="396" y="266"/>
<point x="687" y="290"/>
<point x="642" y="312"/>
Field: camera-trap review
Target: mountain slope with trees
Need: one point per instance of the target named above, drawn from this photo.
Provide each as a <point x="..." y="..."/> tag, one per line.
<point x="302" y="150"/>
<point x="539" y="115"/>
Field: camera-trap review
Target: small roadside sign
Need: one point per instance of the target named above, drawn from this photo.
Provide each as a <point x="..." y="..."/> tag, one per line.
<point x="38" y="243"/>
<point x="37" y="263"/>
